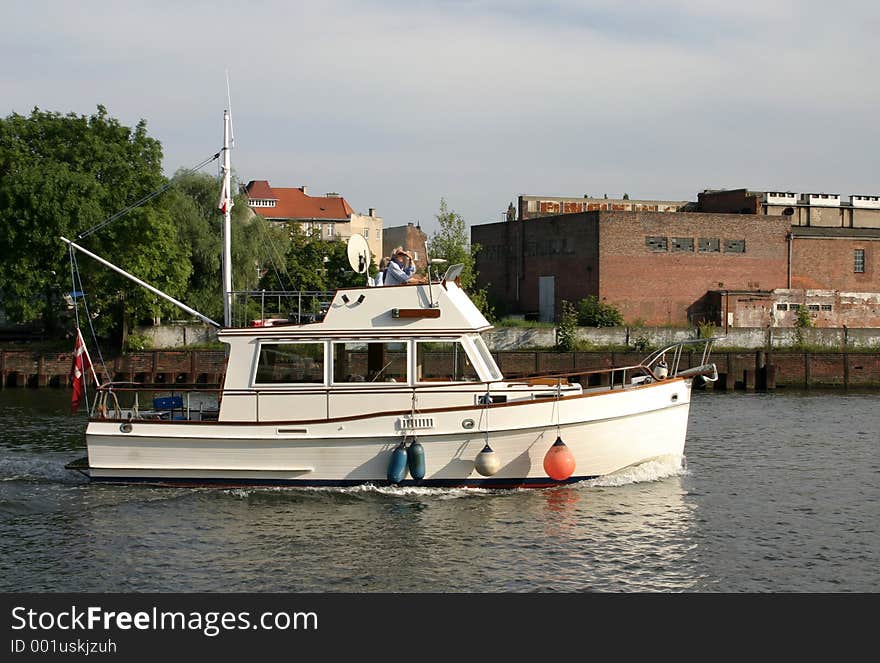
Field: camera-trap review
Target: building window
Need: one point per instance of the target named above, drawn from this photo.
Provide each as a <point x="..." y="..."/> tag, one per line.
<point x="734" y="246"/>
<point x="329" y="229"/>
<point x="655" y="243"/>
<point x="366" y="233"/>
<point x="826" y="307"/>
<point x="378" y="234"/>
<point x="859" y="261"/>
<point x="710" y="245"/>
<point x="782" y="307"/>
<point x="813" y="307"/>
<point x="683" y="244"/>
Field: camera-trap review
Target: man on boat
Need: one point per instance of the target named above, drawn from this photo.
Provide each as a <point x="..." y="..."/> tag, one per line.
<point x="402" y="269"/>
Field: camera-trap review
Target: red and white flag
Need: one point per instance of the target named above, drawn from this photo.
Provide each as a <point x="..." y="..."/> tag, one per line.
<point x="81" y="363"/>
<point x="226" y="202"/>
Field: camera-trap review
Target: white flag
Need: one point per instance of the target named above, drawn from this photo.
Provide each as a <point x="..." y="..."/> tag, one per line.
<point x="226" y="202"/>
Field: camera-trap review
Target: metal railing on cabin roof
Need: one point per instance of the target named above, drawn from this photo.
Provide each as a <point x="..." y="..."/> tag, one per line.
<point x="254" y="308"/>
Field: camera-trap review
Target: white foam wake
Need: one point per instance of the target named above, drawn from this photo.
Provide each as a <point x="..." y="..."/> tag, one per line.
<point x="655" y="469"/>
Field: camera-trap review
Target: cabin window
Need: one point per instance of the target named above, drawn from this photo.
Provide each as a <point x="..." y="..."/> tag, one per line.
<point x="443" y="361"/>
<point x="369" y="361"/>
<point x="486" y="356"/>
<point x="291" y="363"/>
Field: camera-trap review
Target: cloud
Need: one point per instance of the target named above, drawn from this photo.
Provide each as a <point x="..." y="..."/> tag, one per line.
<point x="395" y="104"/>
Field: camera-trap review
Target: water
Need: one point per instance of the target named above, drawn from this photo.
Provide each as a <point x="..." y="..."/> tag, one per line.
<point x="781" y="493"/>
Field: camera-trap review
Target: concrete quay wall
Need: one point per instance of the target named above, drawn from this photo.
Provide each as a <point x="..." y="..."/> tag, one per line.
<point x="742" y="368"/>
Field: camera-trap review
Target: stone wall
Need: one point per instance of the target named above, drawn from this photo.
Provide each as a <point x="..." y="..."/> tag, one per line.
<point x="514" y="338"/>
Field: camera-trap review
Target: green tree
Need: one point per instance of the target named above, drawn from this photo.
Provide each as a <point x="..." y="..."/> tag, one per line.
<point x="63" y="174"/>
<point x="566" y="328"/>
<point x="802" y="321"/>
<point x="451" y="242"/>
<point x="199" y="222"/>
<point x="312" y="264"/>
<point x="594" y="313"/>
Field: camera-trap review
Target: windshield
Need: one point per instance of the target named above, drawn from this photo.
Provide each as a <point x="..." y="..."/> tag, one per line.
<point x="487" y="357"/>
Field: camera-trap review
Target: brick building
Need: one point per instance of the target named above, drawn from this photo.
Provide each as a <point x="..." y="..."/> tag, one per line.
<point x="657" y="267"/>
<point x="411" y="237"/>
<point x="328" y="216"/>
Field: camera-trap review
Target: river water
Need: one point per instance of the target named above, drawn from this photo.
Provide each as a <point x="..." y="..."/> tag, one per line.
<point x="780" y="493"/>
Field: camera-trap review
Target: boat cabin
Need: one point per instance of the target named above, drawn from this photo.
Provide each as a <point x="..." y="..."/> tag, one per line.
<point x="377" y="349"/>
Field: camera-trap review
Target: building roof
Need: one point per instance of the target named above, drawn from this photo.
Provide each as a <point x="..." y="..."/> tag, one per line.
<point x="835" y="232"/>
<point x="259" y="189"/>
<point x="293" y="203"/>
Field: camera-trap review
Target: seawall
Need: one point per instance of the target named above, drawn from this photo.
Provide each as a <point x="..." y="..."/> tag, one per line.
<point x="746" y="369"/>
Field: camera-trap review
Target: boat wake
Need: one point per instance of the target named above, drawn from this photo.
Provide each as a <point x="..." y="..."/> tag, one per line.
<point x="26" y="467"/>
<point x="655" y="469"/>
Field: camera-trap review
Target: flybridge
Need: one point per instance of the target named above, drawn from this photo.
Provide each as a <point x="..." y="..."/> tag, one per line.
<point x="404" y="310"/>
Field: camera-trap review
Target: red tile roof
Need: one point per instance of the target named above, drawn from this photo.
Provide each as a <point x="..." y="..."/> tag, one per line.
<point x="292" y="203"/>
<point x="259" y="189"/>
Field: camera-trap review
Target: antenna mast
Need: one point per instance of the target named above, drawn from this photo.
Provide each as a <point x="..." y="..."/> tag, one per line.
<point x="226" y="207"/>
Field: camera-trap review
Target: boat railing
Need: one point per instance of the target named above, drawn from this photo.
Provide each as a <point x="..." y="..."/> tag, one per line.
<point x="257" y="308"/>
<point x="660" y="367"/>
<point x="195" y="403"/>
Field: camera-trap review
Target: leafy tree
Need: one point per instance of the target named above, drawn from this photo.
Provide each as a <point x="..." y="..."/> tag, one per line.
<point x="63" y="174"/>
<point x="199" y="225"/>
<point x="802" y="321"/>
<point x="305" y="267"/>
<point x="566" y="329"/>
<point x="452" y="243"/>
<point x="594" y="313"/>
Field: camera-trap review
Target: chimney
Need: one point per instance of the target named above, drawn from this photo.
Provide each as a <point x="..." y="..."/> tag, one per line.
<point x="304" y="189"/>
<point x="372" y="211"/>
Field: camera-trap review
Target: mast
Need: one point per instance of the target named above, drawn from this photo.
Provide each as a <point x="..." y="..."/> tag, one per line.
<point x="226" y="207"/>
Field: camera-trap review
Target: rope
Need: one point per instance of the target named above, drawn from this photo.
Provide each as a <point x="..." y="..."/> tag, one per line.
<point x="74" y="268"/>
<point x="145" y="199"/>
<point x="556" y="404"/>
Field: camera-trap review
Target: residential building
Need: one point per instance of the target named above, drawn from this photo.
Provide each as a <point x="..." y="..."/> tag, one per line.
<point x="329" y="216"/>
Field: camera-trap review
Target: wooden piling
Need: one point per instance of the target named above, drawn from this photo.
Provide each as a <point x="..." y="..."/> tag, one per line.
<point x="770" y="377"/>
<point x="749" y="379"/>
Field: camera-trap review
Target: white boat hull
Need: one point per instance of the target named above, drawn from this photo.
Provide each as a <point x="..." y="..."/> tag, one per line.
<point x="606" y="430"/>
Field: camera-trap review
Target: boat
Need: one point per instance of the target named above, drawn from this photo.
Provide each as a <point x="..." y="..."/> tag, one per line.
<point x="393" y="385"/>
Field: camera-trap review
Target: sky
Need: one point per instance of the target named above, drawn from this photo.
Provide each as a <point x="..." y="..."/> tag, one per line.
<point x="395" y="104"/>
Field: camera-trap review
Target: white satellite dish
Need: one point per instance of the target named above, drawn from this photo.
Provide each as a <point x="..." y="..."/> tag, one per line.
<point x="358" y="254"/>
